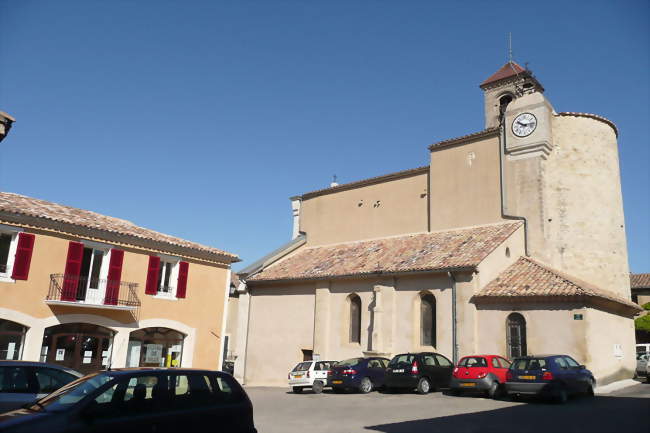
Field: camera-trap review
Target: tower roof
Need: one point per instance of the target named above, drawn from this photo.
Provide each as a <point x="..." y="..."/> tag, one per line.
<point x="506" y="71"/>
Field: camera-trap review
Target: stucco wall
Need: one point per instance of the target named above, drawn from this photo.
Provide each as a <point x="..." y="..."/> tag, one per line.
<point x="389" y="208"/>
<point x="201" y="311"/>
<point x="465" y="185"/>
<point x="604" y="330"/>
<point x="282" y="323"/>
<point x="231" y="324"/>
<point x="550" y="328"/>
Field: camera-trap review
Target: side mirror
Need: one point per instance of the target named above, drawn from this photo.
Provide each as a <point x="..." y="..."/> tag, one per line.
<point x="582" y="367"/>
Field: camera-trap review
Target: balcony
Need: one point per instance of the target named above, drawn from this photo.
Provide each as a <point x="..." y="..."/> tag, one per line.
<point x="81" y="291"/>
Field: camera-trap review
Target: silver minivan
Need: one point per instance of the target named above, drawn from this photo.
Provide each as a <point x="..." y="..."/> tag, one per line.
<point x="23" y="382"/>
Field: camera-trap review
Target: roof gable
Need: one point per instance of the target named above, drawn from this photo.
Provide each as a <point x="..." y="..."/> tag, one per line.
<point x="508" y="70"/>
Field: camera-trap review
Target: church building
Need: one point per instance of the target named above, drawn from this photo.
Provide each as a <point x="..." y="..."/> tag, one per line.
<point x="511" y="240"/>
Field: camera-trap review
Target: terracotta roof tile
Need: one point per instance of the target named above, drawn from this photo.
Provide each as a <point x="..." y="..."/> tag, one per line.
<point x="44" y="210"/>
<point x="591" y="116"/>
<point x="463" y="138"/>
<point x="640" y="281"/>
<point x="527" y="278"/>
<point x="463" y="248"/>
<point x="508" y="70"/>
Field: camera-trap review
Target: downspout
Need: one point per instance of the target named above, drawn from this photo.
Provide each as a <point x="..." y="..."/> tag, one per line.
<point x="454" y="338"/>
<point x="504" y="197"/>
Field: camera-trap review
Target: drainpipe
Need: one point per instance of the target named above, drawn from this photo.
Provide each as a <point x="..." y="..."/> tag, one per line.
<point x="454" y="339"/>
<point x="504" y="197"/>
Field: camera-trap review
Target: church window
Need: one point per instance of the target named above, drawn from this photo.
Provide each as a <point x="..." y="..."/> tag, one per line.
<point x="355" y="319"/>
<point x="428" y="320"/>
<point x="503" y="104"/>
<point x="516" y="335"/>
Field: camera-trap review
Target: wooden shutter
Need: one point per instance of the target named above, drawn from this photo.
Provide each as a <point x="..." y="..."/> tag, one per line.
<point x="181" y="288"/>
<point x="23" y="256"/>
<point x="152" y="275"/>
<point x="114" y="276"/>
<point x="72" y="271"/>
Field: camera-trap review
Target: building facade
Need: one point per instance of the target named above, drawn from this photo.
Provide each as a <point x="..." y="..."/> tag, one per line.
<point x="90" y="291"/>
<point x="510" y="241"/>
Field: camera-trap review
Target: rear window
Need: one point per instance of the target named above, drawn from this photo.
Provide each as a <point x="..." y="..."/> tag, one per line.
<point x="529" y="364"/>
<point x="303" y="366"/>
<point x="473" y="361"/>
<point x="402" y="359"/>
<point x="348" y="362"/>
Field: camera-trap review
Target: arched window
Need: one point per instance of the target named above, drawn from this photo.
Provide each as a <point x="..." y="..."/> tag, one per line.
<point x="428" y="320"/>
<point x="155" y="347"/>
<point x="12" y="336"/>
<point x="503" y="104"/>
<point x="516" y="335"/>
<point x="355" y="319"/>
<point x="81" y="346"/>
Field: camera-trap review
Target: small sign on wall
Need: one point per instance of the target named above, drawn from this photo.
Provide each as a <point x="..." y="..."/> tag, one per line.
<point x="618" y="351"/>
<point x="60" y="354"/>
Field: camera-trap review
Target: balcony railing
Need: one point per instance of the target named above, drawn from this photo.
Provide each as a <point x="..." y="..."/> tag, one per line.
<point x="95" y="292"/>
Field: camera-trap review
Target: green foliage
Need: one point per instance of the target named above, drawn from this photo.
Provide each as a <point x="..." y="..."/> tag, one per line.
<point x="642" y="323"/>
<point x="646" y="306"/>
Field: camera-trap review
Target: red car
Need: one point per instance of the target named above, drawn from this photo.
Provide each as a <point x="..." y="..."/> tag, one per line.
<point x="486" y="373"/>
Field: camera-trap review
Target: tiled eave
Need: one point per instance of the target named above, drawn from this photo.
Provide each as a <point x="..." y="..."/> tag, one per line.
<point x="113" y="237"/>
<point x="490" y="132"/>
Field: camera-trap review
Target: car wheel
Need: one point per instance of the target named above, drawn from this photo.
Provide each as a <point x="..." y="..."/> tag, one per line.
<point x="590" y="390"/>
<point x="317" y="387"/>
<point x="338" y="390"/>
<point x="424" y="386"/>
<point x="366" y="385"/>
<point x="493" y="391"/>
<point x="297" y="389"/>
<point x="561" y="395"/>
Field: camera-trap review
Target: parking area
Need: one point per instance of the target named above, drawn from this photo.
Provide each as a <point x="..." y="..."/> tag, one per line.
<point x="277" y="410"/>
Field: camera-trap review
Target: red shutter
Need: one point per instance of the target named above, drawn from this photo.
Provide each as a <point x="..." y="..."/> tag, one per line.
<point x="152" y="276"/>
<point x="23" y="256"/>
<point x="72" y="271"/>
<point x="114" y="276"/>
<point x="181" y="288"/>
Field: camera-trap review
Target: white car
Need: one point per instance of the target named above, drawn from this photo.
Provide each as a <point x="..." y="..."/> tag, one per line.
<point x="309" y="374"/>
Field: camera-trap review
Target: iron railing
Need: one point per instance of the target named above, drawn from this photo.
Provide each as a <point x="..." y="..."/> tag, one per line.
<point x="74" y="288"/>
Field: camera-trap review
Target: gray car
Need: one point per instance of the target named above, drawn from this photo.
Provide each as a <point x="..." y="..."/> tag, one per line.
<point x="23" y="382"/>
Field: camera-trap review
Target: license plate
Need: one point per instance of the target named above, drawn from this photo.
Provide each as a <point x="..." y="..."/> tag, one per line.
<point x="297" y="376"/>
<point x="527" y="377"/>
<point x="337" y="382"/>
<point x="398" y="370"/>
<point x="468" y="384"/>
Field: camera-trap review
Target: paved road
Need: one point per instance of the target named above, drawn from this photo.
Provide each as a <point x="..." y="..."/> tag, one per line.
<point x="279" y="411"/>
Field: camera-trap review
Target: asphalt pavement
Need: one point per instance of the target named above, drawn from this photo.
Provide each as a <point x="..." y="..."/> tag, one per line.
<point x="277" y="410"/>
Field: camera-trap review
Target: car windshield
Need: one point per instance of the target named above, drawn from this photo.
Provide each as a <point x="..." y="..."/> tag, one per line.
<point x="303" y="366"/>
<point x="67" y="396"/>
<point x="402" y="360"/>
<point x="348" y="362"/>
<point x="529" y="364"/>
<point x="473" y="361"/>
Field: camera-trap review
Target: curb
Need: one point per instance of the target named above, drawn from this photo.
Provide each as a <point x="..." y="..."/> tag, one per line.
<point x="615" y="386"/>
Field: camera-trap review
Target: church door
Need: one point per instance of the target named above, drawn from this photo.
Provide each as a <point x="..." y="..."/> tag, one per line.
<point x="516" y="335"/>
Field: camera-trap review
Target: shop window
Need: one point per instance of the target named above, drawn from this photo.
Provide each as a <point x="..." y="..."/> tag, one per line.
<point x="155" y="347"/>
<point x="12" y="337"/>
<point x="80" y="346"/>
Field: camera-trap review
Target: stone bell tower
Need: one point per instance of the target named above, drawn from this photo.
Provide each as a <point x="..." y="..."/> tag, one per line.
<point x="510" y="82"/>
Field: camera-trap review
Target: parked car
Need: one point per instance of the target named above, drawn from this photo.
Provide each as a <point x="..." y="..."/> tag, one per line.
<point x="362" y="374"/>
<point x="309" y="374"/>
<point x="423" y="371"/>
<point x="142" y="400"/>
<point x="486" y="373"/>
<point x="23" y="382"/>
<point x="551" y="376"/>
<point x="642" y="365"/>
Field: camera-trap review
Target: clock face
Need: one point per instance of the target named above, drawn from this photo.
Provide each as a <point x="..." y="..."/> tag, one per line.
<point x="524" y="124"/>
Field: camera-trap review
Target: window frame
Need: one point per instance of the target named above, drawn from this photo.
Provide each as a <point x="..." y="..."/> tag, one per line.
<point x="173" y="277"/>
<point x="430" y="299"/>
<point x="5" y="277"/>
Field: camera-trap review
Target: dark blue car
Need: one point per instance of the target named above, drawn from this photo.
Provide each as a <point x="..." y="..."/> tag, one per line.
<point x="362" y="374"/>
<point x="551" y="376"/>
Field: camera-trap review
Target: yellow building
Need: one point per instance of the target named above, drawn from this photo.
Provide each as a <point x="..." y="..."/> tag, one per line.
<point x="89" y="291"/>
<point x="511" y="240"/>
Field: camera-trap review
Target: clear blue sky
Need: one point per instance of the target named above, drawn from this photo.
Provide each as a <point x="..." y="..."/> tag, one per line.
<point x="201" y="119"/>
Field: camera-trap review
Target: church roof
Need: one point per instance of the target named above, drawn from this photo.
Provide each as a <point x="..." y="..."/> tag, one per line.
<point x="41" y="213"/>
<point x="452" y="249"/>
<point x="506" y="71"/>
<point x="528" y="279"/>
<point x="640" y="281"/>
